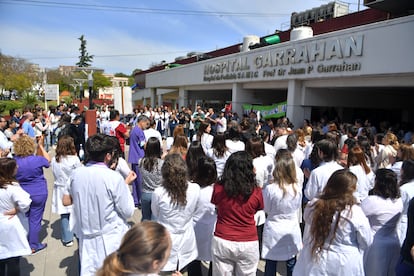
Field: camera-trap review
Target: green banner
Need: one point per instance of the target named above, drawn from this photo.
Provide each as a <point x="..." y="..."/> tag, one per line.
<point x="267" y="111"/>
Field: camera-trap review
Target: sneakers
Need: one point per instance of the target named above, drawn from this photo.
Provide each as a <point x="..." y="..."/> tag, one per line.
<point x="39" y="248"/>
<point x="68" y="244"/>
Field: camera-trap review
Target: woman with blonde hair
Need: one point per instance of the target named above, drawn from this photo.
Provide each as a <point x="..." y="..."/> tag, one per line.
<point x="31" y="178"/>
<point x="388" y="152"/>
<point x="179" y="146"/>
<point x="282" y="238"/>
<point x="174" y="204"/>
<point x="357" y="165"/>
<point x="63" y="164"/>
<point x="144" y="250"/>
<point x="337" y="232"/>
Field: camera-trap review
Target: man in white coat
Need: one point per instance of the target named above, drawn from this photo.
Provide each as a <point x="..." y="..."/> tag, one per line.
<point x="102" y="203"/>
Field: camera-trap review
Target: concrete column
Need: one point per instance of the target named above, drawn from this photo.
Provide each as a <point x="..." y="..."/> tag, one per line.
<point x="153" y="91"/>
<point x="159" y="96"/>
<point x="144" y="101"/>
<point x="239" y="97"/>
<point x="295" y="98"/>
<point x="182" y="97"/>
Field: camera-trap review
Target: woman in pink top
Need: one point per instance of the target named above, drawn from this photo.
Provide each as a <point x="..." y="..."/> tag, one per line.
<point x="235" y="245"/>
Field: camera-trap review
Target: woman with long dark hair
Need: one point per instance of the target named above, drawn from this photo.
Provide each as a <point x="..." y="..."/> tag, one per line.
<point x="219" y="152"/>
<point x="194" y="153"/>
<point x="203" y="135"/>
<point x="407" y="193"/>
<point x="235" y="246"/>
<point x="150" y="168"/>
<point x="14" y="202"/>
<point x="336" y="231"/>
<point x="383" y="209"/>
<point x="174" y="204"/>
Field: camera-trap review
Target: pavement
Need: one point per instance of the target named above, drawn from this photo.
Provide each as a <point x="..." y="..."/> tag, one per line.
<point x="57" y="260"/>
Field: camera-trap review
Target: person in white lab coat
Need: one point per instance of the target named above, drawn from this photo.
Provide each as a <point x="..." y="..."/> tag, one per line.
<point x="336" y="231"/>
<point x="262" y="163"/>
<point x="14" y="202"/>
<point x="282" y="238"/>
<point x="328" y="151"/>
<point x="383" y="209"/>
<point x="357" y="165"/>
<point x="205" y="217"/>
<point x="407" y="193"/>
<point x="63" y="164"/>
<point x="144" y="251"/>
<point x="102" y="203"/>
<point x="174" y="204"/>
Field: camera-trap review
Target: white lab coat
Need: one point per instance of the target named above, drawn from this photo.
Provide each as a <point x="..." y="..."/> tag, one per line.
<point x="282" y="238"/>
<point x="382" y="255"/>
<point x="61" y="172"/>
<point x="344" y="256"/>
<point x="365" y="182"/>
<point x="407" y="193"/>
<point x="13" y="241"/>
<point x="234" y="146"/>
<point x="204" y="222"/>
<point x="220" y="161"/>
<point x="102" y="203"/>
<point x="264" y="166"/>
<point x="179" y="222"/>
<point x="319" y="177"/>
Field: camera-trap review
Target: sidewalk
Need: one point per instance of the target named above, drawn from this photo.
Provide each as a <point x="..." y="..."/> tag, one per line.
<point x="58" y="260"/>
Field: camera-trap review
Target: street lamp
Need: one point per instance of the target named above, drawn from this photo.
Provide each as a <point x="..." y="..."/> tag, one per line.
<point x="90" y="84"/>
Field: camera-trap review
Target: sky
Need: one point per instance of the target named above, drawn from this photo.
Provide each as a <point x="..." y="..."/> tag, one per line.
<point x="125" y="35"/>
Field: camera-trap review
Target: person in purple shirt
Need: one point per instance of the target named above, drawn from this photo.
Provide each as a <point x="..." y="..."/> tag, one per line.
<point x="136" y="152"/>
<point x="32" y="180"/>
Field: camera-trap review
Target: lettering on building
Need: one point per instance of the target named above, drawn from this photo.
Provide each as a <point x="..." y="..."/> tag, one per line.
<point x="326" y="56"/>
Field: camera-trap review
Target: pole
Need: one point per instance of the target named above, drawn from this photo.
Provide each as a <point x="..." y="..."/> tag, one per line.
<point x="90" y="84"/>
<point x="122" y="97"/>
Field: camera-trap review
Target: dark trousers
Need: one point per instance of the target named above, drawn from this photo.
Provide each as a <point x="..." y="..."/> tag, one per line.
<point x="194" y="268"/>
<point x="403" y="268"/>
<point x="270" y="267"/>
<point x="35" y="215"/>
<point x="10" y="267"/>
<point x="136" y="185"/>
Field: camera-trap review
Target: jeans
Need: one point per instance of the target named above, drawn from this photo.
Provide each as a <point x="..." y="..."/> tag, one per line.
<point x="270" y="267"/>
<point x="67" y="235"/>
<point x="146" y="206"/>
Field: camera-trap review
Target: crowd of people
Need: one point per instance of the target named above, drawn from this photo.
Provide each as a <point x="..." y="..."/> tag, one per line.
<point x="325" y="198"/>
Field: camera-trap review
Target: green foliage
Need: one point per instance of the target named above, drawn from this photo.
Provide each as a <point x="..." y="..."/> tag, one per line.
<point x="28" y="99"/>
<point x="64" y="81"/>
<point x="67" y="100"/>
<point x="8" y="105"/>
<point x="17" y="73"/>
<point x="85" y="59"/>
<point x="100" y="81"/>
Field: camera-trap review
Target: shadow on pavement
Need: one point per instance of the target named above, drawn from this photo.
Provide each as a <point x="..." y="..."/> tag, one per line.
<point x="71" y="263"/>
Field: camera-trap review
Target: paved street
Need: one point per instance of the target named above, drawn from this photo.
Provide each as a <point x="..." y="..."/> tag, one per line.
<point x="56" y="259"/>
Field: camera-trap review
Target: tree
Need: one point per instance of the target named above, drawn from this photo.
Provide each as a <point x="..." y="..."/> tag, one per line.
<point x="54" y="76"/>
<point x="131" y="79"/>
<point x="85" y="59"/>
<point x="100" y="81"/>
<point x="17" y="73"/>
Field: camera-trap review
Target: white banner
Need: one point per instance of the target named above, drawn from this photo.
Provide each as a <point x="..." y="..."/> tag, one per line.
<point x="51" y="92"/>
